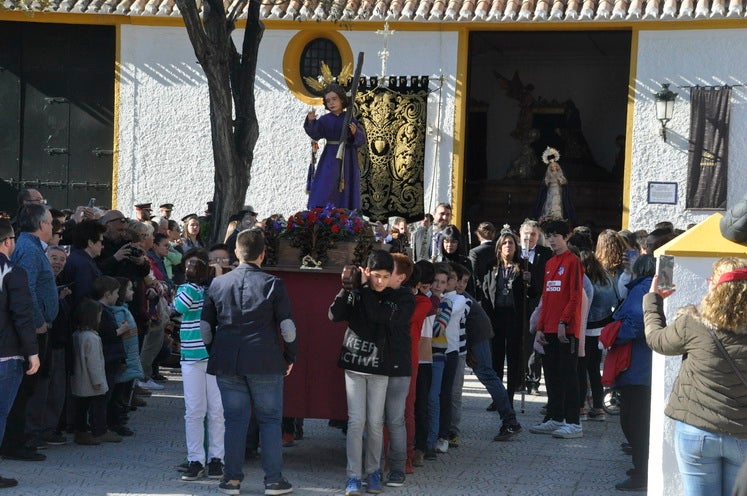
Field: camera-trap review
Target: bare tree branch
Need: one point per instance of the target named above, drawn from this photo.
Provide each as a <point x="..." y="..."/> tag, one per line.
<point x="230" y="76"/>
<point x="214" y="19"/>
<point x="193" y="23"/>
<point x="235" y="73"/>
<point x="235" y="13"/>
<point x="247" y="128"/>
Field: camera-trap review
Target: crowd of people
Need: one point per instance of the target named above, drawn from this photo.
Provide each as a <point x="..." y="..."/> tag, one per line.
<point x="93" y="302"/>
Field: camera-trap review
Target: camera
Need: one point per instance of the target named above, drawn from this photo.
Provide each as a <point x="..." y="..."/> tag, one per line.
<point x="351" y="277"/>
<point x="136" y="252"/>
<point x="197" y="270"/>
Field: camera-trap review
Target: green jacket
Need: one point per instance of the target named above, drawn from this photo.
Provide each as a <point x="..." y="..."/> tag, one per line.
<point x="707" y="393"/>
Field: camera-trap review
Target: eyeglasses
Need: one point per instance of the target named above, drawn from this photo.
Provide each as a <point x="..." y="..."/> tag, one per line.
<point x="9" y="237"/>
<point x="37" y="201"/>
<point x="120" y="219"/>
<point x="222" y="260"/>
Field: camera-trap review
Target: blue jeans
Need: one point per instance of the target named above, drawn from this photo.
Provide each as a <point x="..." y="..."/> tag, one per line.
<point x="265" y="394"/>
<point x="483" y="369"/>
<point x="11" y="373"/>
<point x="434" y="402"/>
<point x="708" y="462"/>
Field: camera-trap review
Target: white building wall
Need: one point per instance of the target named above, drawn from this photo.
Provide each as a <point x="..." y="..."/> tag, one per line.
<point x="164" y="138"/>
<point x="683" y="58"/>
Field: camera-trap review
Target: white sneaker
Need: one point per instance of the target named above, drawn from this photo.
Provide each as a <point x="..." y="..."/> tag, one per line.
<point x="150" y="384"/>
<point x="546" y="427"/>
<point x="569" y="431"/>
<point x="442" y="446"/>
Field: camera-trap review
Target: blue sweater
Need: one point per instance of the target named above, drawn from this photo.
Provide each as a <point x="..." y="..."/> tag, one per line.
<point x="632" y="329"/>
<point x="81" y="269"/>
<point x="30" y="255"/>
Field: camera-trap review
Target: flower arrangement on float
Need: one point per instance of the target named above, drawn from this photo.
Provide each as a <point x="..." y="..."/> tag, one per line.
<point x="318" y="231"/>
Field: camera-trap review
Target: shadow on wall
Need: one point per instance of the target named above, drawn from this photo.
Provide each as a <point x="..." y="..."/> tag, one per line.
<point x="644" y="90"/>
<point x="177" y="74"/>
<point x="186" y="74"/>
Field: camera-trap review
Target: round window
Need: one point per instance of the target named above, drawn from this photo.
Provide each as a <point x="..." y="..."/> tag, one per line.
<point x="314" y="53"/>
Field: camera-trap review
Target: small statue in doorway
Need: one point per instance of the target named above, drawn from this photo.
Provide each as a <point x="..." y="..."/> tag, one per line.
<point x="553" y="201"/>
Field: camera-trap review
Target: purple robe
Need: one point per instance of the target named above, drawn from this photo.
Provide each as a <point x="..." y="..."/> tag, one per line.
<point x="325" y="186"/>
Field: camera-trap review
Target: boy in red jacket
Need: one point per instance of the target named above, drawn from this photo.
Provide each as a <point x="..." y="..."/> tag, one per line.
<point x="558" y="330"/>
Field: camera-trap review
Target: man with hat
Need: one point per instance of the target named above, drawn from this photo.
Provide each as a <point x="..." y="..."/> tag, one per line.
<point x="166" y="209"/>
<point x="143" y="212"/>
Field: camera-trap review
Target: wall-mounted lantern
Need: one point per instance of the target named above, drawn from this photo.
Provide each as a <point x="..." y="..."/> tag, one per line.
<point x="664" y="107"/>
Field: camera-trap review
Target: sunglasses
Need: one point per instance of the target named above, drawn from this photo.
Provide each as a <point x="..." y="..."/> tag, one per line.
<point x="121" y="219"/>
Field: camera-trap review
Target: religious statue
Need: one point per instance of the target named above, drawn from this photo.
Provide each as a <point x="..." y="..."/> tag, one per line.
<point x="553" y="200"/>
<point x="333" y="183"/>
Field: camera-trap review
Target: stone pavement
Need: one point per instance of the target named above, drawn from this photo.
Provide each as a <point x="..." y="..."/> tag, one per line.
<point x="530" y="464"/>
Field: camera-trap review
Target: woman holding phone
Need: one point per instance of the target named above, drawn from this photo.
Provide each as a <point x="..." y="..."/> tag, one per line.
<point x="709" y="398"/>
<point x="634" y="383"/>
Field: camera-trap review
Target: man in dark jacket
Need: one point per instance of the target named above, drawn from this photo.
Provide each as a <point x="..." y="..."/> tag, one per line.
<point x="482" y="256"/>
<point x="242" y="313"/>
<point x="35" y="222"/>
<point x="536" y="256"/>
<point x="17" y="330"/>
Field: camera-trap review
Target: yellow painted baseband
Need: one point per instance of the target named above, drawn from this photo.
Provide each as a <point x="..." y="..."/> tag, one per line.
<point x="703" y="241"/>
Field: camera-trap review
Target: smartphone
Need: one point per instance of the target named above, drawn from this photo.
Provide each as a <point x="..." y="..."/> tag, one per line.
<point x="63" y="286"/>
<point x="665" y="271"/>
<point x="92" y="203"/>
<point x="632" y="256"/>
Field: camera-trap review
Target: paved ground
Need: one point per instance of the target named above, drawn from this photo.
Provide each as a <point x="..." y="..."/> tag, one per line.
<point x="144" y="464"/>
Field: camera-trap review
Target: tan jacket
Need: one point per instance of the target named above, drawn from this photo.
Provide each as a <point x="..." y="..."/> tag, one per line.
<point x="89" y="376"/>
<point x="707" y="393"/>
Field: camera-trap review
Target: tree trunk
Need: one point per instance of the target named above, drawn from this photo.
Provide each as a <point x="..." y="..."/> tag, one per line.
<point x="230" y="77"/>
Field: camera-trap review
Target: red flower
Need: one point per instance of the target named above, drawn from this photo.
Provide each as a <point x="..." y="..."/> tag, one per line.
<point x="312" y="217"/>
<point x="335" y="229"/>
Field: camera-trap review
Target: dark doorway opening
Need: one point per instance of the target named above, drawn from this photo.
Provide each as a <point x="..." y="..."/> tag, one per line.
<point x="56" y="112"/>
<point x="531" y="90"/>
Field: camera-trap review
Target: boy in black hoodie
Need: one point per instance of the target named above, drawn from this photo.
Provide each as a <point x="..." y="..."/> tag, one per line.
<point x="373" y="312"/>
